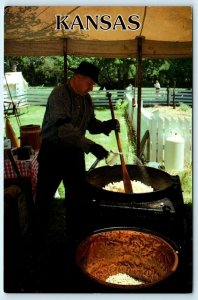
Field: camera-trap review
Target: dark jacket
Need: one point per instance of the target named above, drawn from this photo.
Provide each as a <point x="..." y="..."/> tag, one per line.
<point x="68" y="116"/>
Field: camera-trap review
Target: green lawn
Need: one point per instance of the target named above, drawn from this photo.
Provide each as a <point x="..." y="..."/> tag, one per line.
<point x="35" y="114"/>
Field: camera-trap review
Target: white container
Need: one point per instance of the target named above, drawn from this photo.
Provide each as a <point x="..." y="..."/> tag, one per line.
<point x="174" y="153"/>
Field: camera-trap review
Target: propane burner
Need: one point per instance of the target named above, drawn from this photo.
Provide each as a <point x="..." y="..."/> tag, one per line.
<point x="160" y="210"/>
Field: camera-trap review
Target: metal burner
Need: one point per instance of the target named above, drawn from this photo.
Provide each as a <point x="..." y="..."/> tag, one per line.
<point x="160" y="206"/>
<point x="160" y="210"/>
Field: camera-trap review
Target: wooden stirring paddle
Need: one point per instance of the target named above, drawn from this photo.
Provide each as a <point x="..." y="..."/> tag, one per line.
<point x="126" y="179"/>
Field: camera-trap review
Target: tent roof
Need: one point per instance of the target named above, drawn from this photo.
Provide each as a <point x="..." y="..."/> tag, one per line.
<point x="31" y="31"/>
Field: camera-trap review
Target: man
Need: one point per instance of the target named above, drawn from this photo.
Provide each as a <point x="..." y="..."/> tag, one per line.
<point x="157" y="86"/>
<point x="69" y="113"/>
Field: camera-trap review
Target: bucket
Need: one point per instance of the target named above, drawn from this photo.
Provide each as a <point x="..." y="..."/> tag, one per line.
<point x="30" y="136"/>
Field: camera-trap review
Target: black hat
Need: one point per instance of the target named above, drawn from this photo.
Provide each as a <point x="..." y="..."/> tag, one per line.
<point x="87" y="69"/>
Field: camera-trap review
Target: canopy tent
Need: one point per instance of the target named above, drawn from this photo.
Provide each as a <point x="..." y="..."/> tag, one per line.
<point x="31" y="30"/>
<point x="100" y="31"/>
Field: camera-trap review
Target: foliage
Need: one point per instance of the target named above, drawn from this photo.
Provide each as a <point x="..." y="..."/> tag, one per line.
<point x="186" y="183"/>
<point x="115" y="73"/>
<point x="180" y="70"/>
<point x="121" y="105"/>
<point x="154" y="69"/>
<point x="38" y="70"/>
<point x="184" y="106"/>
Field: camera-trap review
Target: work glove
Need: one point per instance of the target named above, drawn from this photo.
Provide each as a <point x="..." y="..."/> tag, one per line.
<point x="108" y="126"/>
<point x="98" y="151"/>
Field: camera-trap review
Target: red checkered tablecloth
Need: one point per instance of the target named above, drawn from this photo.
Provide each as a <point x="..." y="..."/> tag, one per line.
<point x="27" y="168"/>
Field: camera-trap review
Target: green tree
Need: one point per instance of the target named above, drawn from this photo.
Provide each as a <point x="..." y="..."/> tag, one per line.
<point x="180" y="70"/>
<point x="51" y="70"/>
<point x="167" y="70"/>
<point x="115" y="73"/>
<point x="154" y="69"/>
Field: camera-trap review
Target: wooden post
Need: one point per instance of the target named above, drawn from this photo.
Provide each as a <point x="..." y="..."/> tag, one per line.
<point x="168" y="93"/>
<point x="139" y="50"/>
<point x="174" y="90"/>
<point x="65" y="59"/>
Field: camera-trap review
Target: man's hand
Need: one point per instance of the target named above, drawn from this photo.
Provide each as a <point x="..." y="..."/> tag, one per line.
<point x="110" y="125"/>
<point x="98" y="151"/>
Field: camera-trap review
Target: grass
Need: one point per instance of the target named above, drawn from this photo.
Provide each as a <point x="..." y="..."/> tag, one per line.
<point x="35" y="114"/>
<point x="186" y="183"/>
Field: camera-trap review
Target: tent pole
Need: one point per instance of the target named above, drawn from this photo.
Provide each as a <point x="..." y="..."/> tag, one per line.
<point x="65" y="60"/>
<point x="139" y="53"/>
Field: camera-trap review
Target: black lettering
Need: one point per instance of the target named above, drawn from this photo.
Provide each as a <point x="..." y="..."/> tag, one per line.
<point x="77" y="22"/>
<point x="119" y="22"/>
<point x="61" y="22"/>
<point x="136" y="24"/>
<point x="104" y="21"/>
<point x="94" y="23"/>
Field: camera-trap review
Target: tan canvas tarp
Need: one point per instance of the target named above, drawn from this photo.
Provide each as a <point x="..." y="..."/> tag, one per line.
<point x="166" y="31"/>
